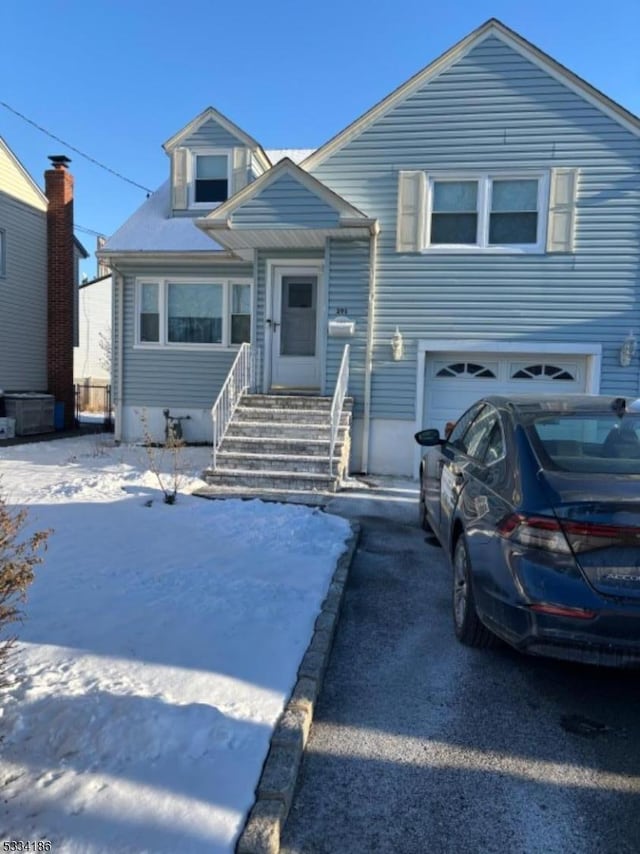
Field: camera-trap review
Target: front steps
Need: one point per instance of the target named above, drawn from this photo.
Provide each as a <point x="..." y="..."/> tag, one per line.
<point x="280" y="443"/>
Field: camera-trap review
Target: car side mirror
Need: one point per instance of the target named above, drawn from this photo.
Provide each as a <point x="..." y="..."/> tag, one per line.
<point x="428" y="438"/>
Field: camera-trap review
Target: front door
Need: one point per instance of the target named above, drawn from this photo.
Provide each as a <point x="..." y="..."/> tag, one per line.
<point x="295" y="357"/>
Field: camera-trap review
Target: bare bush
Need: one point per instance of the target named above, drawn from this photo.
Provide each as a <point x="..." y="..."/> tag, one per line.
<point x="157" y="455"/>
<point x="18" y="558"/>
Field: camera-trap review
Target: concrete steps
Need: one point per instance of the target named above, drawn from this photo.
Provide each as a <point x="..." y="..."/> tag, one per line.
<point x="280" y="443"/>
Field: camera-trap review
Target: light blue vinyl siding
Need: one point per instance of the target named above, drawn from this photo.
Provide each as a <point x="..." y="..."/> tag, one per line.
<point x="23" y="297"/>
<point x="285" y="204"/>
<point x="167" y="376"/>
<point x="212" y="135"/>
<point x="495" y="110"/>
<point x="348" y="272"/>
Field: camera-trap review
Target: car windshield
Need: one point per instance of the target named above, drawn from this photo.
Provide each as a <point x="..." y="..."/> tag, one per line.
<point x="598" y="443"/>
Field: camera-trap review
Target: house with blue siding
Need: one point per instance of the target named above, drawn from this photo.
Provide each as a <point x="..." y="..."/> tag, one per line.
<point x="477" y="231"/>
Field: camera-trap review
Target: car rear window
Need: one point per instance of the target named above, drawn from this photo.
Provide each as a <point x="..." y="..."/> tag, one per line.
<point x="598" y="443"/>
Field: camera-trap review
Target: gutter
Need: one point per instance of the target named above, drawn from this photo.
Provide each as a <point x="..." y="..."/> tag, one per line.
<point x="118" y="284"/>
<point x="368" y="366"/>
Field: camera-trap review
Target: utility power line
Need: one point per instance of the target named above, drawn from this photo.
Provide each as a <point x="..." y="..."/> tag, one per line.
<point x="73" y="148"/>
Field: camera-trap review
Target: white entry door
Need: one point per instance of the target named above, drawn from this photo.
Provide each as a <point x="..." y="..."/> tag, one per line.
<point x="295" y="352"/>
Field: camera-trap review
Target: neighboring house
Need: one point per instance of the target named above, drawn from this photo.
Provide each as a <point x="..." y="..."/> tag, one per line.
<point x="480" y="226"/>
<point x="39" y="258"/>
<point x="23" y="278"/>
<point x="92" y="355"/>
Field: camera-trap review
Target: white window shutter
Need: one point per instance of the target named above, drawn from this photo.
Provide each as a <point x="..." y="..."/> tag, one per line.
<point x="240" y="169"/>
<point x="180" y="180"/>
<point x="411" y="211"/>
<point x="562" y="210"/>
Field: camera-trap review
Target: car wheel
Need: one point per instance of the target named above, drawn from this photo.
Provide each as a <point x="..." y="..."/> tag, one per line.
<point x="469" y="630"/>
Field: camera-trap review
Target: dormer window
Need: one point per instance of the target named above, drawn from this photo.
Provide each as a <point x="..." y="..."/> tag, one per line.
<point x="211" y="179"/>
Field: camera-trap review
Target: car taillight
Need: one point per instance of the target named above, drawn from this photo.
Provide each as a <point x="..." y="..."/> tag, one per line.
<point x="564" y="536"/>
<point x="536" y="532"/>
<point x="588" y="536"/>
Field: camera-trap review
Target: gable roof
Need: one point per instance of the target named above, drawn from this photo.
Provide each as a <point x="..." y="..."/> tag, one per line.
<point x="285" y="167"/>
<point x="80" y="248"/>
<point x="492" y="27"/>
<point x="151" y="228"/>
<point x="33" y="190"/>
<point x="213" y="115"/>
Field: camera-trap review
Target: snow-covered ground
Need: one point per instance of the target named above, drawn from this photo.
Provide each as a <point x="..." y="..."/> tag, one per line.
<point x="160" y="646"/>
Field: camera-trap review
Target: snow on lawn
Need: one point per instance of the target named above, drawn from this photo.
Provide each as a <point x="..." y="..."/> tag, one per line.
<point x="160" y="646"/>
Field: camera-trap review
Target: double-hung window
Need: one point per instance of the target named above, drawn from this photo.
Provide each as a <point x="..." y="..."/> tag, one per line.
<point x="210" y="177"/>
<point x="185" y="313"/>
<point x="487" y="212"/>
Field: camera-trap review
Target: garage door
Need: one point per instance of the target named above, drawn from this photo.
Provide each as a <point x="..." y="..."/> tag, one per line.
<point x="453" y="381"/>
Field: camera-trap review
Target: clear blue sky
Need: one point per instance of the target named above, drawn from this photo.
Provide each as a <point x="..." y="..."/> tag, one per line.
<point x="116" y="79"/>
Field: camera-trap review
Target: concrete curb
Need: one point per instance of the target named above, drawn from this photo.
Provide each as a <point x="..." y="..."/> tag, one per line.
<point x="274" y="793"/>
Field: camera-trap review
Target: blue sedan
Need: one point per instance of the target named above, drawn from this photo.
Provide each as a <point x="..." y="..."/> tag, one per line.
<point x="536" y="501"/>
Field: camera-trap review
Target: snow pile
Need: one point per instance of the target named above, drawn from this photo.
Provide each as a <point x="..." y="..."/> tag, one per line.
<point x="160" y="646"/>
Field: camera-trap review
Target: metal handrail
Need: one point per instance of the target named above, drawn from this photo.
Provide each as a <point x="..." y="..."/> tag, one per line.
<point x="342" y="384"/>
<point x="238" y="381"/>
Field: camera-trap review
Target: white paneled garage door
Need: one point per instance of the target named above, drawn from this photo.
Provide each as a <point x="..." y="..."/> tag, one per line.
<point x="453" y="381"/>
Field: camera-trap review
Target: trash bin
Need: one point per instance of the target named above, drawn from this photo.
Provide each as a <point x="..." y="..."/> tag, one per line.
<point x="58" y="419"/>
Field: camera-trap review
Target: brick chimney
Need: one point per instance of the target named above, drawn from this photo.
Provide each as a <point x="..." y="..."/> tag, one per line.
<point x="60" y="280"/>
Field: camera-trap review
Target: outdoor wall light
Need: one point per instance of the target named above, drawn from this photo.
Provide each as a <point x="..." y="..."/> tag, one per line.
<point x="397" y="345"/>
<point x="628" y="349"/>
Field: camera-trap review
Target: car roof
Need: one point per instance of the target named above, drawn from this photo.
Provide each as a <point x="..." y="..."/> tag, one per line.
<point x="528" y="404"/>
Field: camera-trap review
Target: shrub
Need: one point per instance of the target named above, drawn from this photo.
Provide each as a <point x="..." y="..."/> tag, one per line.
<point x="18" y="557"/>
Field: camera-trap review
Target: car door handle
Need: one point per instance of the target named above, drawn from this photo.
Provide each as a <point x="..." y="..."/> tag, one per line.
<point x="458" y="476"/>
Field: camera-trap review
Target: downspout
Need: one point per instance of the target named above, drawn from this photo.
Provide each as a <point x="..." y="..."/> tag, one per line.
<point x="119" y="280"/>
<point x="371" y="314"/>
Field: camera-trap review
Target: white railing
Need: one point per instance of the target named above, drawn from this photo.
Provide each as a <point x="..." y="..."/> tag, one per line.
<point x="238" y="381"/>
<point x="342" y="384"/>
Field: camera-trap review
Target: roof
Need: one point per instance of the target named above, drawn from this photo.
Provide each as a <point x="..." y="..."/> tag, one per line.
<point x="152" y="228"/>
<point x="286" y="166"/>
<point x="350" y="221"/>
<point x="94" y="281"/>
<point x="297" y="155"/>
<point x="492" y="27"/>
<point x="83" y="252"/>
<point x="210" y="114"/>
<point x="24" y="174"/>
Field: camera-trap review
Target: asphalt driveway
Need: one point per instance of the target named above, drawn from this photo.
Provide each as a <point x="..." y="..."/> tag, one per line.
<point x="420" y="744"/>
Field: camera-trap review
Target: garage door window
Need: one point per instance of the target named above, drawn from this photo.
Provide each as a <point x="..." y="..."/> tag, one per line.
<point x="540" y="371"/>
<point x="469" y="370"/>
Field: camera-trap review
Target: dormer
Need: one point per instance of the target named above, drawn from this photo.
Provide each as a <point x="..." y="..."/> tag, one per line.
<point x="211" y="159"/>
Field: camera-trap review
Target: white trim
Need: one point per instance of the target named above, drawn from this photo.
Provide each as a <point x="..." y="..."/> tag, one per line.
<point x="592" y="351"/>
<point x="207" y="114"/>
<point x="485" y="182"/>
<point x="492" y="27"/>
<point x="193" y="154"/>
<point x="314" y="266"/>
<point x="163" y="282"/>
<point x="346" y="211"/>
<point x="25" y="174"/>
